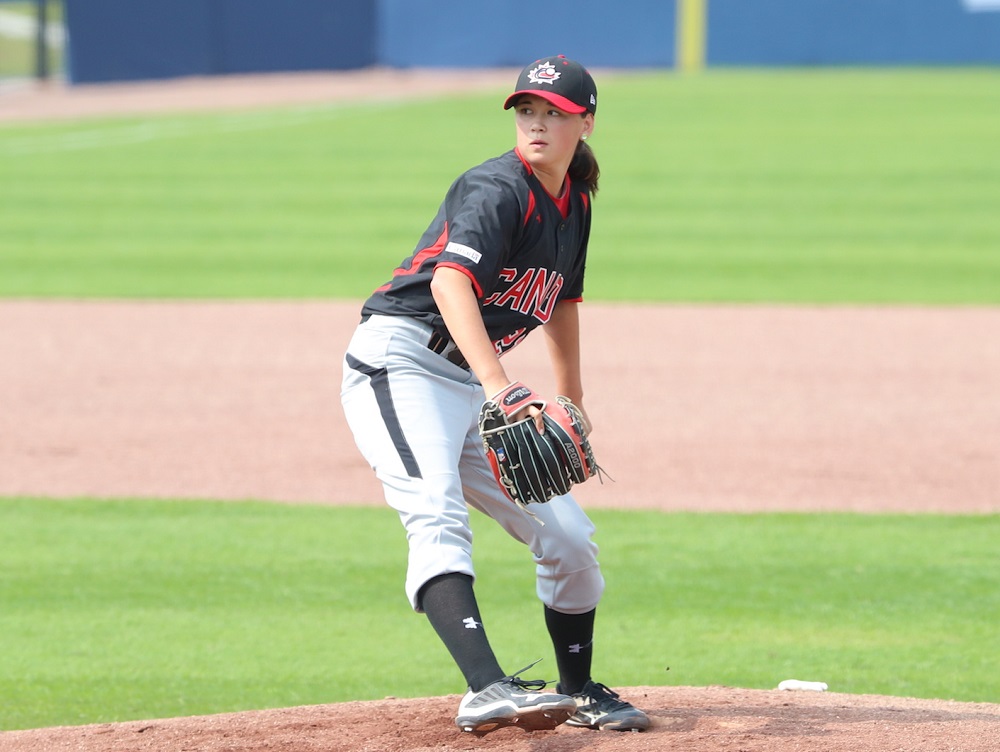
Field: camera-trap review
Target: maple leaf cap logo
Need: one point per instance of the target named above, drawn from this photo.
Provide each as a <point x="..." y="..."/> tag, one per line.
<point x="545" y="73"/>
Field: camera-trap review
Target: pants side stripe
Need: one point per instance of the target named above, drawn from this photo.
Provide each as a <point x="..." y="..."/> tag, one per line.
<point x="379" y="378"/>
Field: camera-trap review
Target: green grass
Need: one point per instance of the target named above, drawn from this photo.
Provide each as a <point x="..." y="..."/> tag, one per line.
<point x="819" y="186"/>
<point x="845" y="186"/>
<point x="138" y="609"/>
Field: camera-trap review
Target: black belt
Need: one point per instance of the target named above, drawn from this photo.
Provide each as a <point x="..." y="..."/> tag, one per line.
<point x="439" y="344"/>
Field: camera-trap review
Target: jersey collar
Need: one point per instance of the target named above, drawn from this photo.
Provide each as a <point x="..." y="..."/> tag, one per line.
<point x="562" y="203"/>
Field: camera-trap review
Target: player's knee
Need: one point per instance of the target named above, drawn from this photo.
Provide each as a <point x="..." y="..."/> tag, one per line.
<point x="569" y="548"/>
<point x="571" y="592"/>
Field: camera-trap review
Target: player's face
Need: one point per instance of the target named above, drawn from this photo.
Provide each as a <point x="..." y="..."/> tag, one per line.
<point x="547" y="136"/>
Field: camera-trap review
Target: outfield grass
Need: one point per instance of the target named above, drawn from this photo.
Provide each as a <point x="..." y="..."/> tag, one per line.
<point x="847" y="186"/>
<point x="138" y="609"/>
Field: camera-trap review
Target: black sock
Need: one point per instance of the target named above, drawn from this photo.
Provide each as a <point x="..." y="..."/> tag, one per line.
<point x="573" y="639"/>
<point x="450" y="605"/>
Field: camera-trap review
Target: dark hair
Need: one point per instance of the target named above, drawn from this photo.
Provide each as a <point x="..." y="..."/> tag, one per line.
<point x="584" y="167"/>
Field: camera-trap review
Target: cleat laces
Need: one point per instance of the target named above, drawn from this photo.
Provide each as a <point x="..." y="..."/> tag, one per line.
<point x="605" y="699"/>
<point x="531" y="685"/>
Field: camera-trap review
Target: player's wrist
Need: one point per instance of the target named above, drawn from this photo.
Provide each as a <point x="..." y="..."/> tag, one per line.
<point x="495" y="385"/>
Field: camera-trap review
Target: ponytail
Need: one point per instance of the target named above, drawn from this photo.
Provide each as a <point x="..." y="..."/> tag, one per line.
<point x="584" y="167"/>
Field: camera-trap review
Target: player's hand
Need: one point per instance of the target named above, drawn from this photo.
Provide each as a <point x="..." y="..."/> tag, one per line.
<point x="537" y="414"/>
<point x="519" y="402"/>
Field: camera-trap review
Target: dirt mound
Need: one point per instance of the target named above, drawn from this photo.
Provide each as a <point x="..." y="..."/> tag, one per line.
<point x="691" y="719"/>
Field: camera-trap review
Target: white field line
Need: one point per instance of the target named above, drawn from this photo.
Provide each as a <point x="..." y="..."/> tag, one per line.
<point x="169" y="127"/>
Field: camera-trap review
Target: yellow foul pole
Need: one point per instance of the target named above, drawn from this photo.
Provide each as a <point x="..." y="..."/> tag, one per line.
<point x="691" y="27"/>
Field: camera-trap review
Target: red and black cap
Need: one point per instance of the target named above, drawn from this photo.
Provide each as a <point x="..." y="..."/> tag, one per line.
<point x="560" y="81"/>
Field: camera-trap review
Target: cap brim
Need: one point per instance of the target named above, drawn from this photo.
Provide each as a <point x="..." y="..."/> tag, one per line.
<point x="561" y="102"/>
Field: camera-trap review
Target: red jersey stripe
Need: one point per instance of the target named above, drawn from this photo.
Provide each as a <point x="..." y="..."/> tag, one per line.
<point x="419" y="258"/>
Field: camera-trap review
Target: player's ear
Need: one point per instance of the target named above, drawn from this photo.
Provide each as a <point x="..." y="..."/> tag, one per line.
<point x="588" y="126"/>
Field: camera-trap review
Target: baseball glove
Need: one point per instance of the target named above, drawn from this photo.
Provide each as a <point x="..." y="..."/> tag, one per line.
<point x="533" y="467"/>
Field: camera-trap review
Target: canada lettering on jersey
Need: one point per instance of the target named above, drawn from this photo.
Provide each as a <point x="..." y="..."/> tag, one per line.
<point x="533" y="292"/>
<point x="511" y="341"/>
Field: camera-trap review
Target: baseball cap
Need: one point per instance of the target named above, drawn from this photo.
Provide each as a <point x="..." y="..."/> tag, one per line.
<point x="560" y="81"/>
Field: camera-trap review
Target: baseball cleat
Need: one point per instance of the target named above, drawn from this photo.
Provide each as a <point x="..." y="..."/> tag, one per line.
<point x="513" y="701"/>
<point x="600" y="708"/>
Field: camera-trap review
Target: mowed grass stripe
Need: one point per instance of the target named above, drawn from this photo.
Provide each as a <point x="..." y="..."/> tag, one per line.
<point x="131" y="609"/>
<point x="847" y="186"/>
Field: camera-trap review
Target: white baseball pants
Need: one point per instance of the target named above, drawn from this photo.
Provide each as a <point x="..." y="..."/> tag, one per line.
<point x="414" y="416"/>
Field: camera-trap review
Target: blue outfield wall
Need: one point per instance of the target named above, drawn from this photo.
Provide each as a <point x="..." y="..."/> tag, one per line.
<point x="489" y="34"/>
<point x="115" y="40"/>
<point x="142" y="39"/>
<point x="139" y="39"/>
<point x="295" y="35"/>
<point x="853" y="32"/>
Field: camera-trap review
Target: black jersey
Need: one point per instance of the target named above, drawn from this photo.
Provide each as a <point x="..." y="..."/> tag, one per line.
<point x="498" y="225"/>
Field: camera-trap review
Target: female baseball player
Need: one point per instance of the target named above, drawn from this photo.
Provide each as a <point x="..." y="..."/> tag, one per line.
<point x="504" y="255"/>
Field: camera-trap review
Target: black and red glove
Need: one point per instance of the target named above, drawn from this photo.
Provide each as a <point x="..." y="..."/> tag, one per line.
<point x="533" y="467"/>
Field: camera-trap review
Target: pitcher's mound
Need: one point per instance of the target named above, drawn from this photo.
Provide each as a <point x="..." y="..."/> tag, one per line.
<point x="684" y="718"/>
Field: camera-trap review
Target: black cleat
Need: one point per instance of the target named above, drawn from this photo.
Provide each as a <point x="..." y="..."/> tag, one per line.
<point x="600" y="708"/>
<point x="512" y="701"/>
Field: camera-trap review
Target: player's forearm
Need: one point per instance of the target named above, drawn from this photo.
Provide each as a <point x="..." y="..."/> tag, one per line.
<point x="563" y="339"/>
<point x="459" y="307"/>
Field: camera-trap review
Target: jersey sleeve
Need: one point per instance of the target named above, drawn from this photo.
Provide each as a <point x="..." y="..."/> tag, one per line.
<point x="481" y="214"/>
<point x="573" y="290"/>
